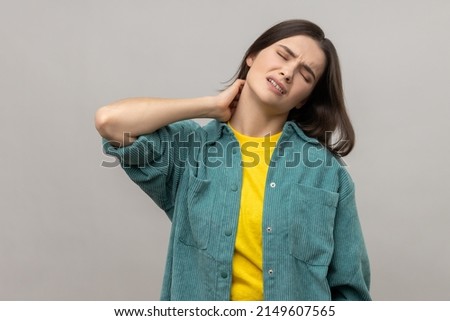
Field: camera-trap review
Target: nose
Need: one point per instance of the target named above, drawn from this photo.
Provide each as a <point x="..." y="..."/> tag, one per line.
<point x="286" y="75"/>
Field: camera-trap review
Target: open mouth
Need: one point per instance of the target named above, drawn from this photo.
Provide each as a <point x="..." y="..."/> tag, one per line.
<point x="276" y="86"/>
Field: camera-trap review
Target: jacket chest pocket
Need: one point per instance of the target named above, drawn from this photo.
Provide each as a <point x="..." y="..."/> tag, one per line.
<point x="200" y="204"/>
<point x="311" y="218"/>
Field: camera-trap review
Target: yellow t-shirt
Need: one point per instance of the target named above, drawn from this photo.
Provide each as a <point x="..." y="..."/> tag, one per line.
<point x="247" y="277"/>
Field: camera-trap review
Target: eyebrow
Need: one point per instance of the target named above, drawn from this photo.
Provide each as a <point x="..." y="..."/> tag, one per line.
<point x="291" y="53"/>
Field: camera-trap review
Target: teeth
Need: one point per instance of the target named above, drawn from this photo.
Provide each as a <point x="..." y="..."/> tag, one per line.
<point x="276" y="86"/>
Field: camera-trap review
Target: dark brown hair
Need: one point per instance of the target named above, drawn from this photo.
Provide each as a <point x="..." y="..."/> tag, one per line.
<point x="324" y="112"/>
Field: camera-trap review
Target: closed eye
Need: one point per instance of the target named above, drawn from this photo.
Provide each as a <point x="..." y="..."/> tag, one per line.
<point x="290" y="53"/>
<point x="306" y="77"/>
<point x="282" y="55"/>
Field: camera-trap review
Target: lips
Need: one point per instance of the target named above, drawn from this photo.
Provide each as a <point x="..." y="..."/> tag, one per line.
<point x="277" y="85"/>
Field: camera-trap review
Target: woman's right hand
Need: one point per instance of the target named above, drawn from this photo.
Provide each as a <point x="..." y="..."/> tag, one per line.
<point x="226" y="101"/>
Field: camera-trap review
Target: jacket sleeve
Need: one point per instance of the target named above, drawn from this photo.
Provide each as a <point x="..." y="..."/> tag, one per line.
<point x="155" y="162"/>
<point x="349" y="271"/>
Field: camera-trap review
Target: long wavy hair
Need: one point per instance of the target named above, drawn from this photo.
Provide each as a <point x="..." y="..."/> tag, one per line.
<point x="324" y="115"/>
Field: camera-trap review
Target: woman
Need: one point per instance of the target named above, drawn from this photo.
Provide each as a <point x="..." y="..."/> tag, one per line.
<point x="261" y="207"/>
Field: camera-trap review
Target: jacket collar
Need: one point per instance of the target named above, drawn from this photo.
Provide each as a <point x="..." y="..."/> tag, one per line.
<point x="216" y="129"/>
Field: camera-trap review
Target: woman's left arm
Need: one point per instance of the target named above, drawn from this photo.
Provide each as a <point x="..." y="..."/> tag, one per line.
<point x="349" y="271"/>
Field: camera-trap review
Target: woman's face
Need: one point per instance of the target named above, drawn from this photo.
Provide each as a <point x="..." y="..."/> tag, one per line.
<point x="283" y="75"/>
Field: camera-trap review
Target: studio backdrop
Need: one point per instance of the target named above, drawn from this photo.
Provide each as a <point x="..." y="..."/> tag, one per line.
<point x="74" y="227"/>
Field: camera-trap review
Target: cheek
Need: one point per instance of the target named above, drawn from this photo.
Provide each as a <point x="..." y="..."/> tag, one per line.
<point x="301" y="93"/>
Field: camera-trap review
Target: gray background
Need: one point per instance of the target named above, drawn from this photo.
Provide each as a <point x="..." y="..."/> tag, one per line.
<point x="71" y="229"/>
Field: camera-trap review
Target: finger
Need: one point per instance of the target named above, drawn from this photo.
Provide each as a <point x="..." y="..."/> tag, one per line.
<point x="239" y="83"/>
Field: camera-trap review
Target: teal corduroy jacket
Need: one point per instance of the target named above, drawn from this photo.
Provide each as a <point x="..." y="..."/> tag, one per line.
<point x="313" y="247"/>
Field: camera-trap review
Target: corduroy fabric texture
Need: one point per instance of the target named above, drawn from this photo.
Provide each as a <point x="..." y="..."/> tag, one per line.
<point x="313" y="247"/>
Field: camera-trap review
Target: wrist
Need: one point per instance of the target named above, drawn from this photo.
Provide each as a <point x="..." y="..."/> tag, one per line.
<point x="207" y="106"/>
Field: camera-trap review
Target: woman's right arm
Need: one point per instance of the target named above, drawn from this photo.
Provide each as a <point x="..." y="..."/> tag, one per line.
<point x="123" y="121"/>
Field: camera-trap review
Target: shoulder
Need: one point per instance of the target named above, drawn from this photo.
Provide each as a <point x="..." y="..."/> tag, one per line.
<point x="323" y="168"/>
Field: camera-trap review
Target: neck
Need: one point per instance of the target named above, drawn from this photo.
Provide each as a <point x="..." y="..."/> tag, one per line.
<point x="252" y="119"/>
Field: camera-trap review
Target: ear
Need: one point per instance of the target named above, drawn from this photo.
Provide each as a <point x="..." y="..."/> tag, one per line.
<point x="249" y="60"/>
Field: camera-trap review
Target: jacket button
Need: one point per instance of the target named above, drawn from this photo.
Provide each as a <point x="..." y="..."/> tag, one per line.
<point x="270" y="272"/>
<point x="228" y="232"/>
<point x="224" y="275"/>
<point x="269" y="229"/>
<point x="234" y="187"/>
<point x="273" y="185"/>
